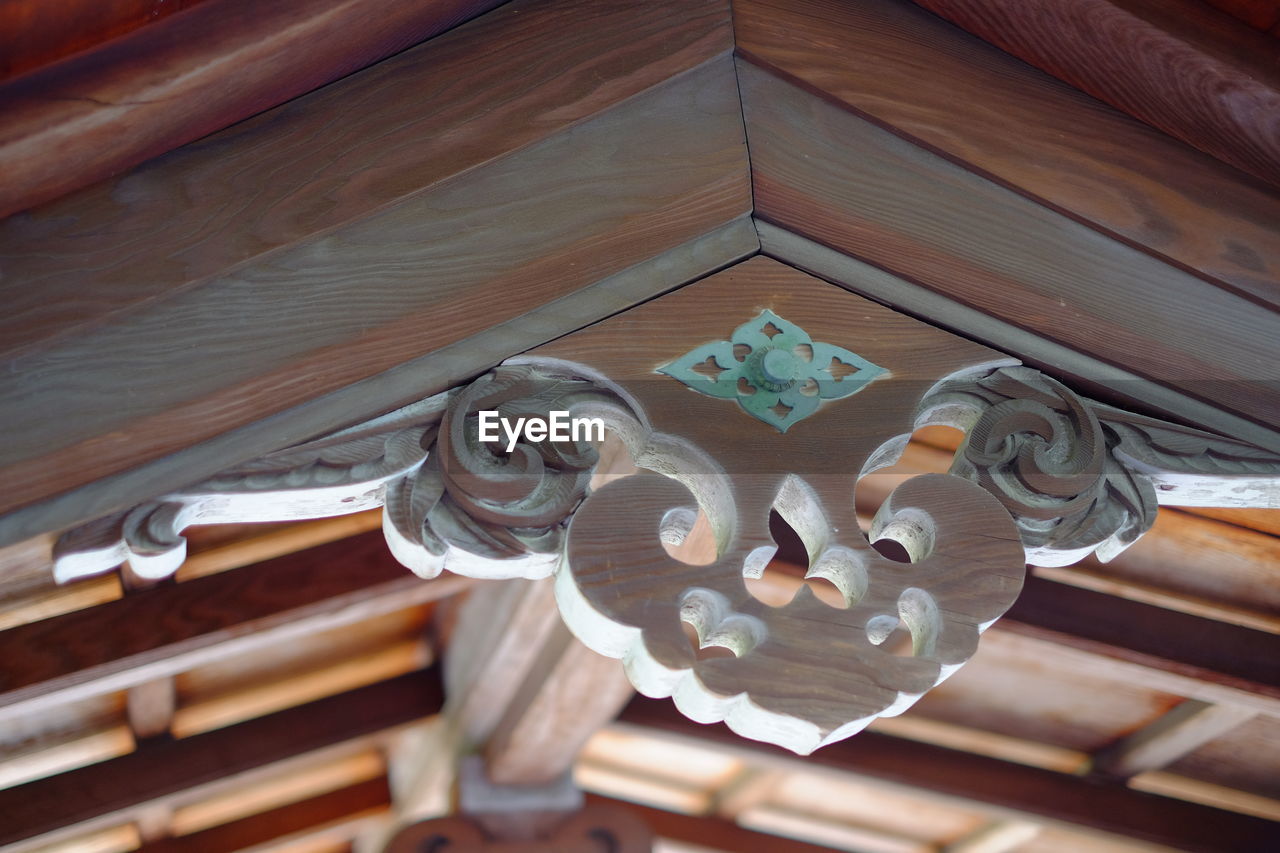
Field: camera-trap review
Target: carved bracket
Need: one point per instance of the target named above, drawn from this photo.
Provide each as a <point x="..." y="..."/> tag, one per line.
<point x="449" y="501"/>
<point x="1044" y="476"/>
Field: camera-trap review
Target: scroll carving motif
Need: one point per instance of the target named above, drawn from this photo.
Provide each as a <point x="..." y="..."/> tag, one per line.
<point x="449" y="499"/>
<point x="1044" y="475"/>
<point x="1080" y="477"/>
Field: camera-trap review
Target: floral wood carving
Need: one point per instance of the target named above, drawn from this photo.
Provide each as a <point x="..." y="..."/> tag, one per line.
<point x="775" y="371"/>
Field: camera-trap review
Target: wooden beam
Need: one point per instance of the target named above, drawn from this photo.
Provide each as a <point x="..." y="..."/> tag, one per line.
<point x="908" y="70"/>
<point x="337" y="815"/>
<point x="162" y="631"/>
<point x="1162" y="649"/>
<point x="570" y="692"/>
<point x="711" y="832"/>
<point x="847" y="183"/>
<point x="109" y="108"/>
<point x="1082" y="371"/>
<point x="1008" y="788"/>
<point x="1200" y="76"/>
<point x="313" y="197"/>
<point x="183" y="771"/>
<point x="1177" y="733"/>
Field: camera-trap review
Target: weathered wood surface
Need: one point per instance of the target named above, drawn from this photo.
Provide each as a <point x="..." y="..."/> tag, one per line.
<point x="1082" y="371"/>
<point x="710" y="832"/>
<point x="162" y="631"/>
<point x="1259" y="14"/>
<point x="806" y="687"/>
<point x="37" y="32"/>
<point x="92" y="115"/>
<point x="844" y="182"/>
<point x="908" y="70"/>
<point x="337" y="815"/>
<point x="594" y="201"/>
<point x="1176" y="652"/>
<point x="1009" y="787"/>
<point x="1198" y="76"/>
<point x="337" y="155"/>
<point x="571" y="692"/>
<point x="1181" y="731"/>
<point x="186" y="770"/>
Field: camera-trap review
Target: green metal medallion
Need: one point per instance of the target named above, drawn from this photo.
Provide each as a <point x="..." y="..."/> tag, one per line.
<point x="774" y="370"/>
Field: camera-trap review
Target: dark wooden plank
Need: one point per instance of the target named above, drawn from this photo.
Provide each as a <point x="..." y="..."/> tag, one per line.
<point x="927" y="80"/>
<point x="164" y="630"/>
<point x="1199" y="75"/>
<point x="182" y="771"/>
<point x="346" y="804"/>
<point x="1259" y="14"/>
<point x="107" y="109"/>
<point x="1042" y="794"/>
<point x="1082" y="371"/>
<point x="845" y="183"/>
<point x="339" y="154"/>
<point x="710" y="832"/>
<point x="496" y="244"/>
<point x="421" y="376"/>
<point x="1162" y="640"/>
<point x="37" y="32"/>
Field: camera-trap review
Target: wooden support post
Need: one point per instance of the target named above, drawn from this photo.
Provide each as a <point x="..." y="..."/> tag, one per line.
<point x="571" y="692"/>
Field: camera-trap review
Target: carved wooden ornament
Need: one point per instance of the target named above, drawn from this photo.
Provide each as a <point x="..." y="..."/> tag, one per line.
<point x="758" y="389"/>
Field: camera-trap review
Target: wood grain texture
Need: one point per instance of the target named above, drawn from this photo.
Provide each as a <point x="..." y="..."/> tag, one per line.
<point x="804" y="687"/>
<point x="1040" y="794"/>
<point x="183" y="771"/>
<point x="1259" y="14"/>
<point x="571" y="210"/>
<point x="1181" y="67"/>
<point x="419" y="377"/>
<point x="572" y="693"/>
<point x="1081" y="370"/>
<point x="710" y="833"/>
<point x="37" y="32"/>
<point x="168" y="629"/>
<point x="337" y="155"/>
<point x="1202" y="658"/>
<point x="845" y="183"/>
<point x="108" y="109"/>
<point x="910" y="71"/>
<point x="342" y="812"/>
<point x="1179" y="732"/>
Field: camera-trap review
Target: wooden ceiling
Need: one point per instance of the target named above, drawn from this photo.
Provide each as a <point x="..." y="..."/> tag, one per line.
<point x="519" y="177"/>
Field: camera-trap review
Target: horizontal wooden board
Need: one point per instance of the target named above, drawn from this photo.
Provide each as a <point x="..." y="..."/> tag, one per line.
<point x="1199" y="76"/>
<point x="493" y="246"/>
<point x="319" y="815"/>
<point x="337" y="155"/>
<point x="182" y="771"/>
<point x="1081" y="371"/>
<point x="842" y="181"/>
<point x="1204" y="658"/>
<point x="36" y="32"/>
<point x="1245" y="759"/>
<point x="912" y="72"/>
<point x="1041" y="794"/>
<point x="104" y="110"/>
<point x="165" y="630"/>
<point x="419" y="377"/>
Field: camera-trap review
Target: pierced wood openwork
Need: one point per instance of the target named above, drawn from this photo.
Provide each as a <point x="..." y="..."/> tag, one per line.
<point x="759" y="390"/>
